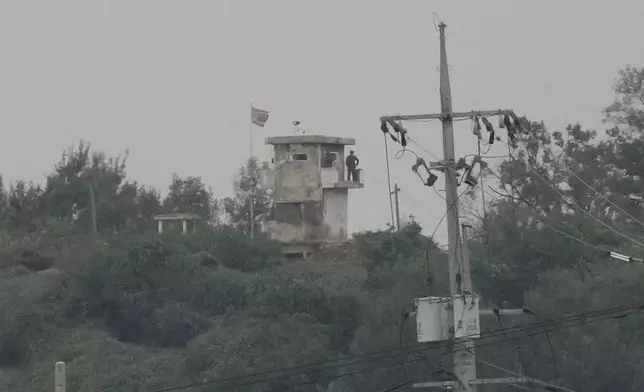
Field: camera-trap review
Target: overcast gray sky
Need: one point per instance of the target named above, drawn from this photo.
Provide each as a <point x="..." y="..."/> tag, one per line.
<point x="172" y="80"/>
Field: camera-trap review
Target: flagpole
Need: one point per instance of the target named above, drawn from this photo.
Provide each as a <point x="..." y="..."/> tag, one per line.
<point x="253" y="186"/>
<point x="251" y="130"/>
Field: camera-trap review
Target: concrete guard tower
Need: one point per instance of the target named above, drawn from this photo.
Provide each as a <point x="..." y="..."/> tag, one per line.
<point x="310" y="192"/>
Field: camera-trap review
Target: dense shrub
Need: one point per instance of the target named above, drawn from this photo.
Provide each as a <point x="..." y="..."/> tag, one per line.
<point x="148" y="289"/>
<point x="14" y="346"/>
<point x="389" y="246"/>
<point x="254" y="341"/>
<point x="234" y="249"/>
<point x="137" y="318"/>
<point x="289" y="293"/>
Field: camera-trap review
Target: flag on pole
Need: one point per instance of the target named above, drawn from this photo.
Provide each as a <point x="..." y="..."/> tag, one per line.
<point x="258" y="116"/>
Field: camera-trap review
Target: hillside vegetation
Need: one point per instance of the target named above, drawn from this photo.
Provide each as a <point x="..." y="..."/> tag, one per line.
<point x="144" y="312"/>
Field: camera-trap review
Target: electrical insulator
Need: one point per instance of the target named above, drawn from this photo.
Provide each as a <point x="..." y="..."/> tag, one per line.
<point x="401" y="133"/>
<point x="501" y="122"/>
<point x="488" y="124"/>
<point x="461" y="164"/>
<point x="515" y="118"/>
<point x="470" y="179"/>
<point x="490" y="129"/>
<point x="479" y="161"/>
<point x="403" y="140"/>
<point x="508" y="123"/>
<point x="517" y="123"/>
<point x="383" y="127"/>
<point x="431" y="180"/>
<point x="476" y="127"/>
<point x="471" y="176"/>
<point x="419" y="162"/>
<point x="510" y="127"/>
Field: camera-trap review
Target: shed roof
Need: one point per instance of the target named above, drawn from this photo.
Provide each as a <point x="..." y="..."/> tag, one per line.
<point x="177" y="216"/>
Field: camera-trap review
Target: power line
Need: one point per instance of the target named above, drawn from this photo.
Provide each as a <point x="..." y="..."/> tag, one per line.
<point x="533" y="207"/>
<point x="391" y="207"/>
<point x="424" y="149"/>
<point x="409" y="196"/>
<point x="552" y="350"/>
<point x="397" y="204"/>
<point x="445" y="214"/>
<point x="534" y="380"/>
<point x="399" y="154"/>
<point x="431" y="237"/>
<point x="604" y="197"/>
<point x="542" y="221"/>
<point x="397" y="386"/>
<point x="502" y="327"/>
<point x="441" y="355"/>
<point x="481" y="180"/>
<point x="566" y="168"/>
<point x="572" y="205"/>
<point x="601" y="249"/>
<point x="555" y="325"/>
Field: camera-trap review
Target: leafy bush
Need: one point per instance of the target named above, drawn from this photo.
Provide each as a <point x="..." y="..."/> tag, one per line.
<point x="291" y="293"/>
<point x="254" y="341"/>
<point x="28" y="309"/>
<point x="148" y="290"/>
<point x="14" y="346"/>
<point x="389" y="246"/>
<point x="234" y="248"/>
<point x="131" y="290"/>
<point x="137" y="318"/>
<point x="217" y="292"/>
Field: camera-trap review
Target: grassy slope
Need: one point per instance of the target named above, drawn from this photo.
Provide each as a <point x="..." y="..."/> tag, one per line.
<point x="249" y="321"/>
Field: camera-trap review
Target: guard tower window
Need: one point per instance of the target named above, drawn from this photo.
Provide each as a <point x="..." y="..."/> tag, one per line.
<point x="287" y="213"/>
<point x="328" y="158"/>
<point x="299" y="157"/>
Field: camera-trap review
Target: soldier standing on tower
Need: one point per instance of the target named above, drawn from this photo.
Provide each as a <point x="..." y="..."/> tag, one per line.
<point x="352" y="162"/>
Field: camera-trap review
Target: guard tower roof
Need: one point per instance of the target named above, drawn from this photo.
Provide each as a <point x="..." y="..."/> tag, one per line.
<point x="310" y="139"/>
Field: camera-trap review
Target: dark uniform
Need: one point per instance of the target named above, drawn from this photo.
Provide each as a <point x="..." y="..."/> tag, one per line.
<point x="351" y="162"/>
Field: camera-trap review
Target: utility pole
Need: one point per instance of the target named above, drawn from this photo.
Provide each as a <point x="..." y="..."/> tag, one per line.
<point x="462" y="332"/>
<point x="252" y="204"/>
<point x="459" y="263"/>
<point x="60" y="378"/>
<point x="92" y="195"/>
<point x="252" y="214"/>
<point x="395" y="193"/>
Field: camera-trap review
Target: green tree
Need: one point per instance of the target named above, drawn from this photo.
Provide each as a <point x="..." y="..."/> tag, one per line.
<point x="84" y="188"/>
<point x="4" y="205"/>
<point x="137" y="205"/>
<point x="627" y="108"/>
<point x="625" y="146"/>
<point x="190" y="195"/>
<point x="249" y="188"/>
<point x="24" y="209"/>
